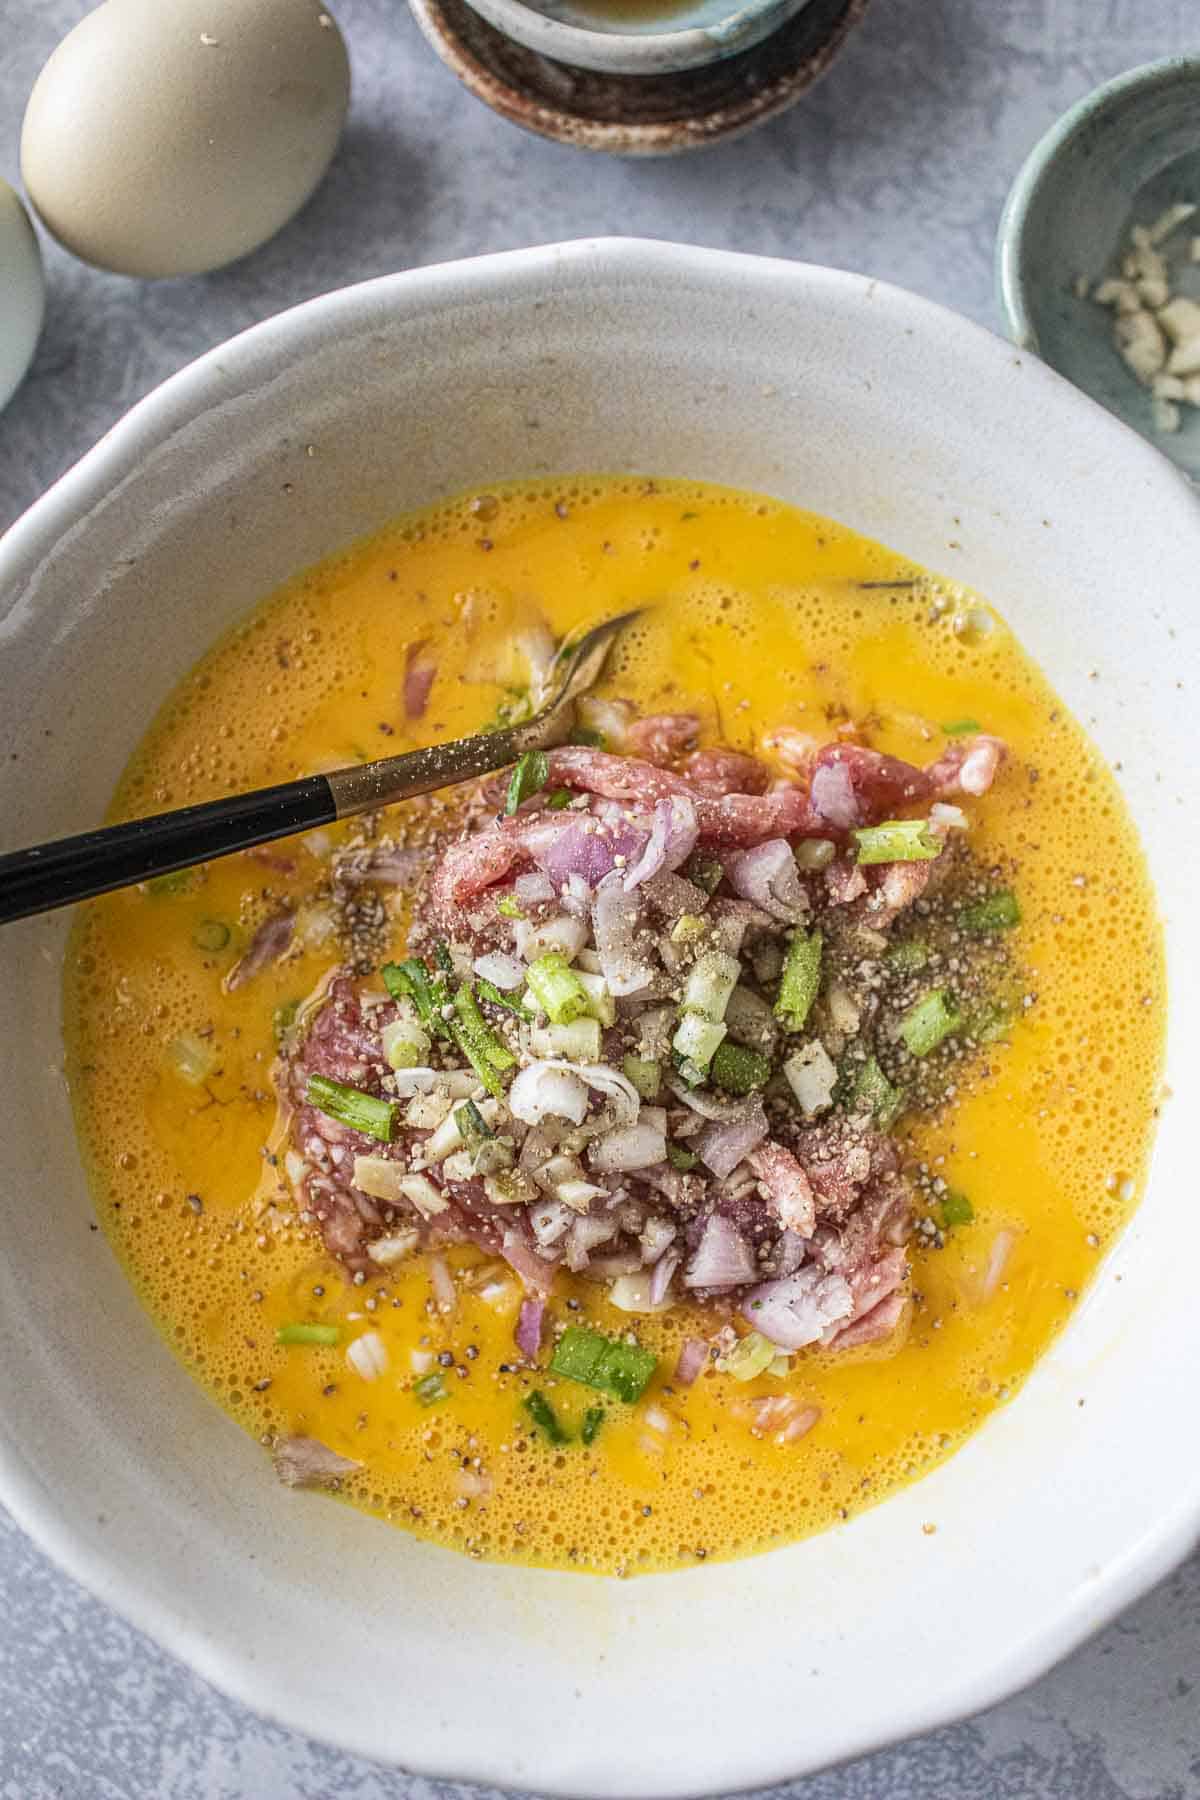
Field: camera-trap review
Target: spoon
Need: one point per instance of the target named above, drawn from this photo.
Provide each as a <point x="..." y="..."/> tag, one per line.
<point x="75" y="868"/>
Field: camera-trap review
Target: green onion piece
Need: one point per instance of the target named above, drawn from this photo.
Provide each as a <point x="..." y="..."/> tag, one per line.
<point x="308" y="1334"/>
<point x="210" y="934"/>
<point x="646" y="1076"/>
<point x="472" y="1126"/>
<point x="909" y="956"/>
<point x="961" y="727"/>
<point x="593" y="1419"/>
<point x="897" y="840"/>
<point x="738" y="1069"/>
<point x="999" y="912"/>
<point x="443" y="958"/>
<point x="710" y="983"/>
<point x="750" y="1356"/>
<point x="487" y="1054"/>
<point x="410" y="980"/>
<point x="283" y="1018"/>
<point x="801" y="980"/>
<point x="561" y="797"/>
<point x="405" y="1043"/>
<point x="491" y="993"/>
<point x="616" y="1368"/>
<point x="508" y="907"/>
<point x="531" y="773"/>
<point x="349" y="1106"/>
<point x="681" y="1159"/>
<point x="176" y="881"/>
<point x="990" y="1023"/>
<point x="955" y="1209"/>
<point x="877" y="1095"/>
<point x="687" y="928"/>
<point x="695" y="1041"/>
<point x="583" y="734"/>
<point x="556" y="988"/>
<point x="429" y="1389"/>
<point x="705" y="871"/>
<point x="544" y="1417"/>
<point x="815" y="853"/>
<point x="929" y="1023"/>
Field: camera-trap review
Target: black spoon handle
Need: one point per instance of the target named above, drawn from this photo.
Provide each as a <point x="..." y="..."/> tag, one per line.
<point x="75" y="868"/>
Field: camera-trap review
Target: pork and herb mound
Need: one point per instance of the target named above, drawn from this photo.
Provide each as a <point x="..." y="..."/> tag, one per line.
<point x="659" y="1021"/>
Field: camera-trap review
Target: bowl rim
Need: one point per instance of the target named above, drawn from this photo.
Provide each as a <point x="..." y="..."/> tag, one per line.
<point x="151" y="423"/>
<point x="1032" y="176"/>
<point x="672" y="50"/>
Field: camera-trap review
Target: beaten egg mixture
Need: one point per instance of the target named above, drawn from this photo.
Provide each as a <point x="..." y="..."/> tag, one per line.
<point x="764" y="616"/>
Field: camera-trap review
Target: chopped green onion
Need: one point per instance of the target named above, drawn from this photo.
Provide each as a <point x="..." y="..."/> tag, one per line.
<point x="750" y="1356"/>
<point x="961" y="727"/>
<point x="990" y="1023"/>
<point x="695" y="1041"/>
<point x="705" y="871"/>
<point x="955" y="1209"/>
<point x="508" y="907"/>
<point x="544" y="1417"/>
<point x="616" y="1368"/>
<point x="472" y="1126"/>
<point x="429" y="1389"/>
<point x="681" y="1159"/>
<point x="930" y="1022"/>
<point x="577" y="1042"/>
<point x="561" y="797"/>
<point x="908" y="956"/>
<point x="443" y="958"/>
<point x="646" y="1076"/>
<point x="176" y="881"/>
<point x="601" y="1004"/>
<point x="491" y="993"/>
<point x="815" y="853"/>
<point x="999" y="912"/>
<point x="739" y="1069"/>
<point x="531" y="773"/>
<point x="487" y="1054"/>
<point x="308" y="1334"/>
<point x="210" y="934"/>
<point x="897" y="840"/>
<point x="710" y="983"/>
<point x="283" y="1018"/>
<point x="801" y="979"/>
<point x="557" y="988"/>
<point x="593" y="1419"/>
<point x="349" y="1106"/>
<point x="583" y="734"/>
<point x="874" y="1092"/>
<point x="193" y="1057"/>
<point x="410" y="980"/>
<point x="687" y="928"/>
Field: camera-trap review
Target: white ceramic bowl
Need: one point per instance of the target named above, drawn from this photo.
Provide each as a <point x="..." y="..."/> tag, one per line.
<point x="824" y="388"/>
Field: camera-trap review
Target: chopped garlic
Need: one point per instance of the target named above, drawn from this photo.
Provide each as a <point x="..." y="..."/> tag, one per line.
<point x="1141" y="344"/>
<point x="1170" y="221"/>
<point x="1156" y="331"/>
<point x="1166" y="415"/>
<point x="1167" y="387"/>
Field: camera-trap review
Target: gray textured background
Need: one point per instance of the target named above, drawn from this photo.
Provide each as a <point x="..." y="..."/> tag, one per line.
<point x="897" y="165"/>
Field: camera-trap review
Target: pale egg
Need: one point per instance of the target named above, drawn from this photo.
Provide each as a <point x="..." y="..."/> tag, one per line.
<point x="170" y="138"/>
<point x="22" y="293"/>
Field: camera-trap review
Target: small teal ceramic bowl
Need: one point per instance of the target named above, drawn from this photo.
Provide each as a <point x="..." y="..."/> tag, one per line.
<point x="1117" y="159"/>
<point x="637" y="37"/>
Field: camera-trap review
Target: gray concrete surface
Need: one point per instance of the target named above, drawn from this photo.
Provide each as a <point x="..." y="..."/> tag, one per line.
<point x="897" y="165"/>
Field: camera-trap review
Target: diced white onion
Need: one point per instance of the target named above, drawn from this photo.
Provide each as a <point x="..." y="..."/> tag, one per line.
<point x="502" y="970"/>
<point x="378" y="1177"/>
<point x="533" y="886"/>
<point x="423" y="1195"/>
<point x="294" y="1167"/>
<point x="630" y="1147"/>
<point x="368" y="1356"/>
<point x="547" y="1089"/>
<point x="578" y="1195"/>
<point x="393" y="1248"/>
<point x="631" y="1294"/>
<point x="565" y="935"/>
<point x="812" y="1077"/>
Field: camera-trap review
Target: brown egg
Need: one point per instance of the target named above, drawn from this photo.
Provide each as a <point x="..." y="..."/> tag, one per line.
<point x="169" y="138"/>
